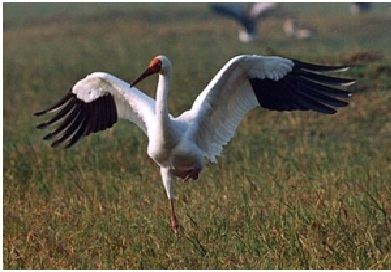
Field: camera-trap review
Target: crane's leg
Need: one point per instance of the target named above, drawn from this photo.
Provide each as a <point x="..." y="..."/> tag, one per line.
<point x="168" y="186"/>
<point x="173" y="219"/>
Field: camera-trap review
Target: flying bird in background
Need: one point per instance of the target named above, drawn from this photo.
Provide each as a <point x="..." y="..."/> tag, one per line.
<point x="247" y="17"/>
<point x="181" y="146"/>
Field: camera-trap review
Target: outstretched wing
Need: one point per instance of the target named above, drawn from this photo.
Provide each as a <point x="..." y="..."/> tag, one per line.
<point x="238" y="13"/>
<point x="93" y="104"/>
<point x="234" y="11"/>
<point x="275" y="83"/>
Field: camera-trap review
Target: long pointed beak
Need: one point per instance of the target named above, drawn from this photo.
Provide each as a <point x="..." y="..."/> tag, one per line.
<point x="148" y="72"/>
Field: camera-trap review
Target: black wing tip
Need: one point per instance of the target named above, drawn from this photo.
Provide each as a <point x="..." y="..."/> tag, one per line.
<point x="47" y="137"/>
<point x="338" y="82"/>
<point x="299" y="93"/>
<point x="42" y="125"/>
<point x="315" y="72"/>
<point x="342" y="104"/>
<point x="313" y="67"/>
<point x="70" y="144"/>
<point x="228" y="10"/>
<point x="55" y="144"/>
<point x="63" y="100"/>
<point x="80" y="121"/>
<point x="39" y="113"/>
<point x="331" y="111"/>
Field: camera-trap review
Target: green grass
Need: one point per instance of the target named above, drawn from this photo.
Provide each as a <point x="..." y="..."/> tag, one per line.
<point x="291" y="190"/>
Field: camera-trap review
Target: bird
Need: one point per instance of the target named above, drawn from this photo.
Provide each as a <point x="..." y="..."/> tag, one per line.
<point x="182" y="146"/>
<point x="247" y="17"/>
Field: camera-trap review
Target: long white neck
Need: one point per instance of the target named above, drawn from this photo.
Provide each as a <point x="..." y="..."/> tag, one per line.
<point x="163" y="87"/>
<point x="165" y="136"/>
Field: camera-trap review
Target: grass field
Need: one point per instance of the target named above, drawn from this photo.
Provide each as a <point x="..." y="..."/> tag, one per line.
<point x="291" y="190"/>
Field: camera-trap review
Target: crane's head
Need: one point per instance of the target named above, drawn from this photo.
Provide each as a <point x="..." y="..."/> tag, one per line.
<point x="159" y="64"/>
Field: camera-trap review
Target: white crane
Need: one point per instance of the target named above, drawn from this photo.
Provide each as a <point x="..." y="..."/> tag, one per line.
<point x="181" y="145"/>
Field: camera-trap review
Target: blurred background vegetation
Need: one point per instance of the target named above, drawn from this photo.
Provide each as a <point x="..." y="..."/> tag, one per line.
<point x="291" y="190"/>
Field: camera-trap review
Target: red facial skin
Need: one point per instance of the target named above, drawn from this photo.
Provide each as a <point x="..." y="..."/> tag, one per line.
<point x="154" y="67"/>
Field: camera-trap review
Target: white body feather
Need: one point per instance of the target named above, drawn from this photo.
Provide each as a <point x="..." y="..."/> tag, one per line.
<point x="201" y="132"/>
<point x="184" y="143"/>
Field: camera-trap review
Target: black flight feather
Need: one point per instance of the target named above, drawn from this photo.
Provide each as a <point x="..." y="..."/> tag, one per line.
<point x="65" y="110"/>
<point x="329" y="80"/>
<point x="304" y="88"/>
<point x="317" y="67"/>
<point x="58" y="104"/>
<point x="71" y="129"/>
<point x="65" y="123"/>
<point x="79" y="118"/>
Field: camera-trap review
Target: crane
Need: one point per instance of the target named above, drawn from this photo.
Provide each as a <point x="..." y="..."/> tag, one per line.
<point x="247" y="17"/>
<point x="181" y="146"/>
